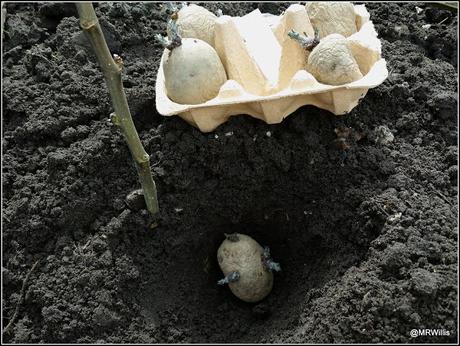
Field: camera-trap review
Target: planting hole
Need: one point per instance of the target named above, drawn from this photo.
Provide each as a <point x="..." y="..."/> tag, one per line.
<point x="309" y="258"/>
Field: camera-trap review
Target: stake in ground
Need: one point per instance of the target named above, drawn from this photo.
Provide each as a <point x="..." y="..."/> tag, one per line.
<point x="111" y="68"/>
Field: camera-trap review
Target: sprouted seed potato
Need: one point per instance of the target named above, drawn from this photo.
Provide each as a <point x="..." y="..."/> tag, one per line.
<point x="332" y="62"/>
<point x="193" y="72"/>
<point x="247" y="267"/>
<point x="192" y="69"/>
<point x="194" y="21"/>
<point x="332" y="17"/>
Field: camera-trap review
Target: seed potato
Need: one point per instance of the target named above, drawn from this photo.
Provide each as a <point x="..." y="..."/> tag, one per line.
<point x="196" y="22"/>
<point x="332" y="17"/>
<point x="193" y="72"/>
<point x="332" y="62"/>
<point x="245" y="256"/>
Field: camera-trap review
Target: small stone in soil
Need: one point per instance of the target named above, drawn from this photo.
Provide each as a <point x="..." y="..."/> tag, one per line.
<point x="135" y="200"/>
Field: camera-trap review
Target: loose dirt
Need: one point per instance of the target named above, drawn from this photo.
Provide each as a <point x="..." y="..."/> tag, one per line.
<point x="360" y="210"/>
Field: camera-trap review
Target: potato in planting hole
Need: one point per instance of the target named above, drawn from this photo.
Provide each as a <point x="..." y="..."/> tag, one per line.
<point x="247" y="266"/>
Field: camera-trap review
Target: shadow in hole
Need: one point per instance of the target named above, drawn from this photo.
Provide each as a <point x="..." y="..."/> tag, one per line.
<point x="145" y="115"/>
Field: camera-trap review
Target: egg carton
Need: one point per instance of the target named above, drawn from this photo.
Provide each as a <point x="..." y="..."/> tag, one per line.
<point x="266" y="71"/>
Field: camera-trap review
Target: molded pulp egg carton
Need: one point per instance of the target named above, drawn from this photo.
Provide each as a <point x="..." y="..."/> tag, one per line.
<point x="266" y="71"/>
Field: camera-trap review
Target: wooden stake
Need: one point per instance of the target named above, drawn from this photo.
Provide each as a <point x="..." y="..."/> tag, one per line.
<point x="111" y="68"/>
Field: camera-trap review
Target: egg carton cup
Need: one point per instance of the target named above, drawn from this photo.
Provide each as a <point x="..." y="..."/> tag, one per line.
<point x="266" y="71"/>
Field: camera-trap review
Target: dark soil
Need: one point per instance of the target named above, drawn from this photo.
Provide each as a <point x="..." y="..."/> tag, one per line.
<point x="366" y="231"/>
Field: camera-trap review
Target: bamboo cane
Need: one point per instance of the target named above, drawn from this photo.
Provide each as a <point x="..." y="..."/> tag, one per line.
<point x="111" y="68"/>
